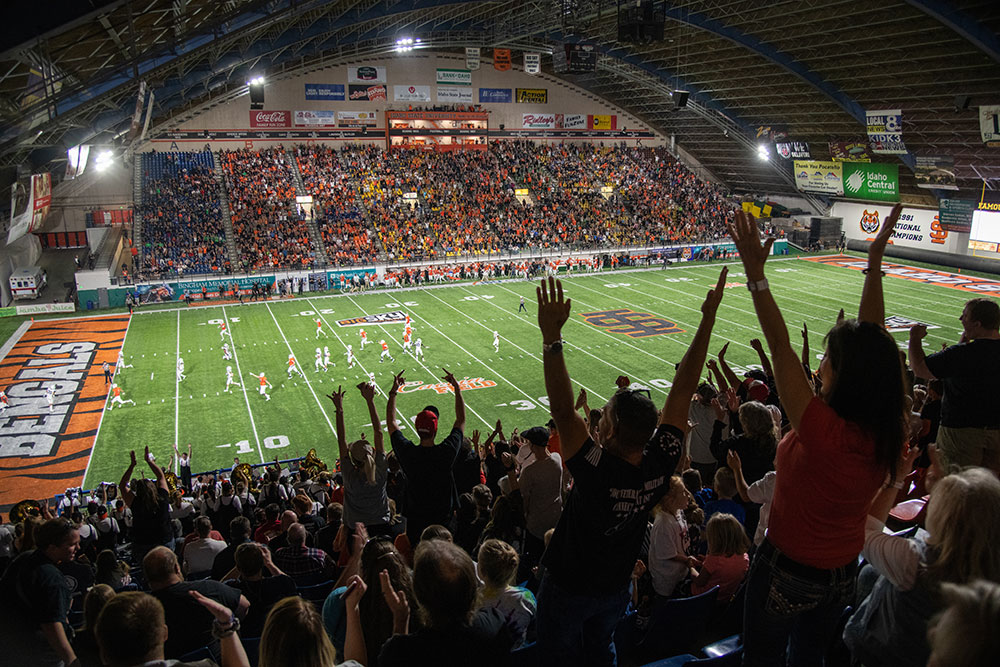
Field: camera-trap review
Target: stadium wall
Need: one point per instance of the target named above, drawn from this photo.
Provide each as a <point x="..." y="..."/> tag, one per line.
<point x="227" y="124"/>
<point x="918" y="235"/>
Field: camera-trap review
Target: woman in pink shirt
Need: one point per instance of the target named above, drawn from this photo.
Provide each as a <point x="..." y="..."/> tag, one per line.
<point x="844" y="443"/>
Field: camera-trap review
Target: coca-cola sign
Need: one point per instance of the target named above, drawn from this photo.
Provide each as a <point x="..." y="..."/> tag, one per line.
<point x="538" y="120"/>
<point x="270" y="119"/>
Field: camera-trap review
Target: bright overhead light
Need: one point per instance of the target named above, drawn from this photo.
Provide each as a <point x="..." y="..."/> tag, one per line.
<point x="762" y="152"/>
<point x="256" y="81"/>
<point x="103" y="160"/>
<point x="405" y="44"/>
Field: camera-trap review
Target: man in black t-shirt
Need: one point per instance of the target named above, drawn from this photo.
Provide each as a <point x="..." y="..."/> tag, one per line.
<point x="969" y="434"/>
<point x="616" y="483"/>
<point x="430" y="488"/>
<point x="189" y="622"/>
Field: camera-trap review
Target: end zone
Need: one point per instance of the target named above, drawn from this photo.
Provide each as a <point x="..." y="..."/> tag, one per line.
<point x="912" y="273"/>
<point x="41" y="452"/>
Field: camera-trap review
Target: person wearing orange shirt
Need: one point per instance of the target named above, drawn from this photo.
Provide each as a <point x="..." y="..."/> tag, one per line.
<point x="364" y="339"/>
<point x="116" y="397"/>
<point x="264" y="385"/>
<point x="293" y="367"/>
<point x="385" y="352"/>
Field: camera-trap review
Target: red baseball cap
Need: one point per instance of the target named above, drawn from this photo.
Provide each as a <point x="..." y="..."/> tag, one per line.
<point x="758" y="391"/>
<point x="427" y="422"/>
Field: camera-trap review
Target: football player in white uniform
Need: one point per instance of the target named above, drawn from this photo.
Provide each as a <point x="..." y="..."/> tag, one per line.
<point x="496" y="341"/>
<point x="227" y="355"/>
<point x="350" y="357"/>
<point x="50" y="396"/>
<point x="230" y="381"/>
<point x="418" y="349"/>
<point x="121" y="362"/>
<point x="319" y="361"/>
<point x="180" y="369"/>
<point x="326" y="358"/>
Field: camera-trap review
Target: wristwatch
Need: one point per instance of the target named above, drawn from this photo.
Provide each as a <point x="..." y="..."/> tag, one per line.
<point x="758" y="285"/>
<point x="555" y="346"/>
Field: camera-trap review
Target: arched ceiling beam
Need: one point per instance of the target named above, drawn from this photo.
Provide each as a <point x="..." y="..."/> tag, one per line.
<point x="962" y="24"/>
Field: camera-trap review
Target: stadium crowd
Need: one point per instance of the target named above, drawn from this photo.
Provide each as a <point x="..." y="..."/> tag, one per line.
<point x="628" y="532"/>
<point x="270" y="232"/>
<point x="180" y="216"/>
<point x="410" y="204"/>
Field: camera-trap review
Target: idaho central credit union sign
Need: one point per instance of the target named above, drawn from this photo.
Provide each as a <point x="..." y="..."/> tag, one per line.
<point x="270" y="118"/>
<point x="630" y="323"/>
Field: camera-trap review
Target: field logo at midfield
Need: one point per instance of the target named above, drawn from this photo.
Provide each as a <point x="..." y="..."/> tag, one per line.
<point x="376" y="318"/>
<point x="42" y="452"/>
<point x="630" y="323"/>
<point x="869" y="222"/>
<point x="465" y="384"/>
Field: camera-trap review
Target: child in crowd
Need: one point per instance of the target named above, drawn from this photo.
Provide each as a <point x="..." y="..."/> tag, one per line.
<point x="760" y="492"/>
<point x="725" y="489"/>
<point x="692" y="481"/>
<point x="669" y="543"/>
<point x="498" y="563"/>
<point x="727" y="561"/>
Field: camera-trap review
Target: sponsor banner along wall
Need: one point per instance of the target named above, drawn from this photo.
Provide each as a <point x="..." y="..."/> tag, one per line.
<point x="366" y="74"/>
<point x="916" y="228"/>
<point x="472" y="58"/>
<point x="984" y="286"/>
<point x="356" y="117"/>
<point x="885" y="131"/>
<point x="455" y="95"/>
<point x="532" y="95"/>
<point x="270" y="118"/>
<point x="332" y="92"/>
<point x="495" y="96"/>
<point x="935" y="173"/>
<point x="875" y="180"/>
<point x="989" y="124"/>
<point x="411" y="93"/>
<point x="366" y="93"/>
<point x="454" y="77"/>
<point x="315" y="118"/>
<point x="849" y="151"/>
<point x="538" y="120"/>
<point x="819" y="176"/>
<point x="42" y="452"/>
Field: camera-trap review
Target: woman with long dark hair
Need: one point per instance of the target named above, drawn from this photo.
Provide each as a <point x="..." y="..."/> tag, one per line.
<point x="843" y="446"/>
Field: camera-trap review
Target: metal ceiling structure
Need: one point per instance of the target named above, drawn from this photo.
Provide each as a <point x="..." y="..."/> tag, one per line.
<point x="809" y="66"/>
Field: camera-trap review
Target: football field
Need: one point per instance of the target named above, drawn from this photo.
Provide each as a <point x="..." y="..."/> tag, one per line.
<point x="635" y="323"/>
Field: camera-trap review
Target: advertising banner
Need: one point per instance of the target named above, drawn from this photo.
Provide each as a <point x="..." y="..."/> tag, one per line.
<point x="453" y="94"/>
<point x="495" y="95"/>
<point x="955" y="215"/>
<point x="331" y="92"/>
<point x="270" y="118"/>
<point x="472" y="58"/>
<point x="454" y="77"/>
<point x="411" y="93"/>
<point x="575" y="121"/>
<point x="41" y="198"/>
<point x="501" y="60"/>
<point x="819" y="176"/>
<point x="604" y="122"/>
<point x="531" y="95"/>
<point x="935" y="173"/>
<point x="885" y="131"/>
<point x="876" y="180"/>
<point x="850" y="151"/>
<point x="792" y="150"/>
<point x="532" y="63"/>
<point x="916" y="228"/>
<point x="366" y="93"/>
<point x="366" y="74"/>
<point x="349" y="118"/>
<point x="989" y="124"/>
<point x="538" y="120"/>
<point x="315" y="118"/>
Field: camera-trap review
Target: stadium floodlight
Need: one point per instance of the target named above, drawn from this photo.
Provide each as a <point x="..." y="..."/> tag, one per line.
<point x="256" y="81"/>
<point x="405" y="44"/>
<point x="103" y="160"/>
<point x="762" y="153"/>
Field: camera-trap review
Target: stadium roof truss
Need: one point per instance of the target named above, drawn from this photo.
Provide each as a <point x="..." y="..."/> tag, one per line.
<point x="810" y="67"/>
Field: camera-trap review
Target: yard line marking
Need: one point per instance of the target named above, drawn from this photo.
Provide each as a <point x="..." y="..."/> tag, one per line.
<point x="533" y="356"/>
<point x="107" y="399"/>
<point x="432" y="373"/>
<point x="356" y="360"/>
<point x="308" y="384"/>
<point x="177" y="391"/>
<point x="243" y="385"/>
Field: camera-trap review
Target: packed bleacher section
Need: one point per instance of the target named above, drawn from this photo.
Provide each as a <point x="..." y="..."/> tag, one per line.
<point x="269" y="227"/>
<point x="328" y="176"/>
<point x="180" y="214"/>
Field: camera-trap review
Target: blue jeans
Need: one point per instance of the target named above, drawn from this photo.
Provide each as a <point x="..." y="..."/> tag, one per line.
<point x="792" y="607"/>
<point x="577" y="629"/>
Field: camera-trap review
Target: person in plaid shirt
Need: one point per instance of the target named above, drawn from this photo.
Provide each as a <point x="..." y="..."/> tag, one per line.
<point x="303" y="564"/>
